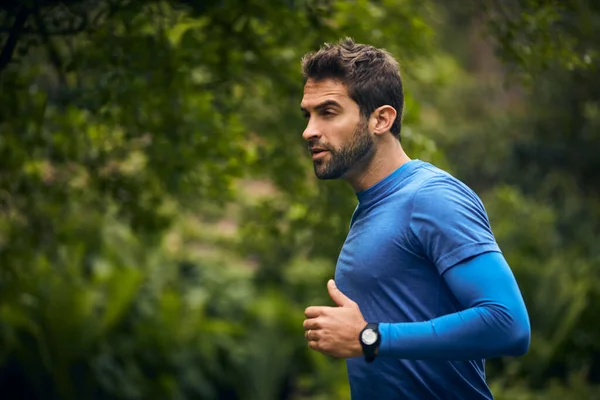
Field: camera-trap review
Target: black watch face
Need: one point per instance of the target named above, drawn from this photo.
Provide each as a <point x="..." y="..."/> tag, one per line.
<point x="369" y="336"/>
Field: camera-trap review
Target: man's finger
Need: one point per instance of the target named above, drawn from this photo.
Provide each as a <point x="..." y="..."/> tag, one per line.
<point x="337" y="296"/>
<point x="314" y="312"/>
<point x="312" y="323"/>
<point x="312" y="335"/>
<point x="321" y="348"/>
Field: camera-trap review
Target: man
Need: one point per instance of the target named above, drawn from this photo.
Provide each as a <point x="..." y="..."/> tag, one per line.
<point x="423" y="292"/>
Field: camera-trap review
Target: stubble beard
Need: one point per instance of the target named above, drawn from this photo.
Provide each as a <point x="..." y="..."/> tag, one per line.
<point x="342" y="160"/>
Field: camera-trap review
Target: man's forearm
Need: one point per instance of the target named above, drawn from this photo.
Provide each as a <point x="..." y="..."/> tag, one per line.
<point x="476" y="333"/>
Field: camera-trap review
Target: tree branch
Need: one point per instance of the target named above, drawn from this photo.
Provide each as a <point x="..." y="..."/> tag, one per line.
<point x="13" y="37"/>
<point x="52" y="51"/>
<point x="63" y="32"/>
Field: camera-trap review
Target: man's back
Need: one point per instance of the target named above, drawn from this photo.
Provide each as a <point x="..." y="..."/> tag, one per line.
<point x="385" y="268"/>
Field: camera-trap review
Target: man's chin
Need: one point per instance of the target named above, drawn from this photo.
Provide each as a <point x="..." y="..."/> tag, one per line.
<point x="325" y="175"/>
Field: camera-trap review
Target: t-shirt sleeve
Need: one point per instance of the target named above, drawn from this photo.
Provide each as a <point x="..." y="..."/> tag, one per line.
<point x="450" y="223"/>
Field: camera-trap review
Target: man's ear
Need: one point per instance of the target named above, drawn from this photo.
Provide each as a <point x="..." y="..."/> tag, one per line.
<point x="382" y="119"/>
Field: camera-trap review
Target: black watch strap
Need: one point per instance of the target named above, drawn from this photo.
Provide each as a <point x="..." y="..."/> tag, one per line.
<point x="369" y="340"/>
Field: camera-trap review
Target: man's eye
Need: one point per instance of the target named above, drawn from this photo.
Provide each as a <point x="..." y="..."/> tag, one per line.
<point x="328" y="113"/>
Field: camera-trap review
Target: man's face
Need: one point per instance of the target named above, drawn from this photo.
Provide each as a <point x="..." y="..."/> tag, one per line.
<point x="337" y="135"/>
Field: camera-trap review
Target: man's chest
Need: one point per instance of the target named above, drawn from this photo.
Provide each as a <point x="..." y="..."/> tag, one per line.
<point x="379" y="246"/>
<point x="382" y="268"/>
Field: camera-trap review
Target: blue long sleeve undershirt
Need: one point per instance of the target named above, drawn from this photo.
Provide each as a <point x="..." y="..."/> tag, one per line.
<point x="494" y="322"/>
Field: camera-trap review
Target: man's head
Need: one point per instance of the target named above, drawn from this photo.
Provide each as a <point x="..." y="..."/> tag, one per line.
<point x="352" y="93"/>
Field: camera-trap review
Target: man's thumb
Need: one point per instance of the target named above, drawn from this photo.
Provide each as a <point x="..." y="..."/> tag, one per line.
<point x="337" y="296"/>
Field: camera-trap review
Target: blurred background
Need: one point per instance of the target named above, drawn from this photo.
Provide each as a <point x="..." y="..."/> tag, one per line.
<point x="161" y="228"/>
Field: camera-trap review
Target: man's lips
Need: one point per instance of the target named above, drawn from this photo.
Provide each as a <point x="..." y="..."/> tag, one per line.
<point x="319" y="155"/>
<point x="318" y="152"/>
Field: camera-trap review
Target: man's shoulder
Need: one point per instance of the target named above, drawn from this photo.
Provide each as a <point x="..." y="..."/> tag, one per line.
<point x="426" y="172"/>
<point x="426" y="185"/>
<point x="425" y="176"/>
<point x="431" y="180"/>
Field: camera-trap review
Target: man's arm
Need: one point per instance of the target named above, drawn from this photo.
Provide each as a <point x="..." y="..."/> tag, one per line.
<point x="494" y="323"/>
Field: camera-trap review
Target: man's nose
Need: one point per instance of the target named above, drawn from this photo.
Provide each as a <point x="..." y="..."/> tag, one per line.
<point x="311" y="131"/>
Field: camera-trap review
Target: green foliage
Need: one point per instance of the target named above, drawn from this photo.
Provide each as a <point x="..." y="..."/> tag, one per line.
<point x="121" y="143"/>
<point x="536" y="34"/>
<point x="161" y="228"/>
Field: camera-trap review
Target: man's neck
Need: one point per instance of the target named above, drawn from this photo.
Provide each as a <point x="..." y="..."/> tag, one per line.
<point x="388" y="158"/>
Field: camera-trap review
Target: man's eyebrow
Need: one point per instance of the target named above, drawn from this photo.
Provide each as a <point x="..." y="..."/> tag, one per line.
<point x="323" y="105"/>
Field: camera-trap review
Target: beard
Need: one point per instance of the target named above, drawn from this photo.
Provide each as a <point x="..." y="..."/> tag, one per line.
<point x="342" y="160"/>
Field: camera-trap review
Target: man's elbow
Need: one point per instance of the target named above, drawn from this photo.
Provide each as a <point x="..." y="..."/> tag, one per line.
<point x="520" y="340"/>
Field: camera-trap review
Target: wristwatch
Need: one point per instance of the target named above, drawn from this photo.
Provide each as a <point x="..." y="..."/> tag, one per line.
<point x="369" y="340"/>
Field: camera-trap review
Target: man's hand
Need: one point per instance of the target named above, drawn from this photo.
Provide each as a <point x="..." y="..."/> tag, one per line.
<point x="334" y="330"/>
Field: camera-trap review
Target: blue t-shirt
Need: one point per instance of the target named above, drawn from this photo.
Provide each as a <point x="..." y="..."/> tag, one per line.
<point x="405" y="233"/>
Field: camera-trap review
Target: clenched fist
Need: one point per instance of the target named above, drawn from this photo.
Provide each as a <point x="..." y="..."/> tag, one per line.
<point x="334" y="330"/>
